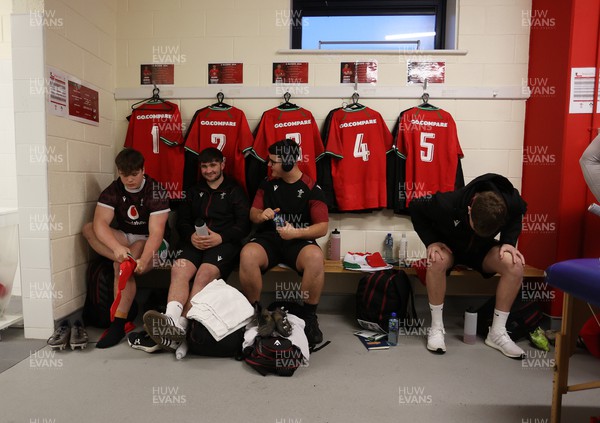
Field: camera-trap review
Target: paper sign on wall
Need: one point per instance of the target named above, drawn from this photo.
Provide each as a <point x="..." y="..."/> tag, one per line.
<point x="225" y="73"/>
<point x="582" y="90"/>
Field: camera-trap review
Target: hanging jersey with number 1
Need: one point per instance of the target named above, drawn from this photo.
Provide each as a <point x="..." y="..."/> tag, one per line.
<point x="155" y="130"/>
<point x="428" y="142"/>
<point x="358" y="140"/>
<point x="223" y="128"/>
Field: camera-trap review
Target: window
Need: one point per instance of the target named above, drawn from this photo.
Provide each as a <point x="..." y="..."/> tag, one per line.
<point x="369" y="24"/>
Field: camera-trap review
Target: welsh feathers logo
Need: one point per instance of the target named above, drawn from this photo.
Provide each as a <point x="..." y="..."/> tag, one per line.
<point x="132" y="213"/>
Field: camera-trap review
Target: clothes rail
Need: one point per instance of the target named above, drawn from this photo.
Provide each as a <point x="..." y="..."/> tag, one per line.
<point x="516" y="92"/>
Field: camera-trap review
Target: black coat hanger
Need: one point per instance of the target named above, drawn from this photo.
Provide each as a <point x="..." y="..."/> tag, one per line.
<point x="286" y="105"/>
<point x="426" y="104"/>
<point x="355" y="105"/>
<point x="152" y="100"/>
<point x="219" y="104"/>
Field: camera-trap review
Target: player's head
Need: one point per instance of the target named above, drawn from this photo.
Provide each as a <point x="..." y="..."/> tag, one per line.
<point x="487" y="213"/>
<point x="211" y="164"/>
<point x="130" y="165"/>
<point x="284" y="153"/>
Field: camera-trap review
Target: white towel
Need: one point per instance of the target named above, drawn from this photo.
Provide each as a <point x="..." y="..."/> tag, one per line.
<point x="221" y="308"/>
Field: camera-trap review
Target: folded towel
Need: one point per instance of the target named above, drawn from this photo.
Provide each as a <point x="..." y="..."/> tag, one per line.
<point x="221" y="308"/>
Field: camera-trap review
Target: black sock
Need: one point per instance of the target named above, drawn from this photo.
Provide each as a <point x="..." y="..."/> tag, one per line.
<point x="309" y="309"/>
<point x="114" y="334"/>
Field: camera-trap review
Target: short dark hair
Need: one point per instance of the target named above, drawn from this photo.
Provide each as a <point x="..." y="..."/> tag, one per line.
<point x="488" y="213"/>
<point x="129" y="160"/>
<point x="209" y="155"/>
<point x="287" y="149"/>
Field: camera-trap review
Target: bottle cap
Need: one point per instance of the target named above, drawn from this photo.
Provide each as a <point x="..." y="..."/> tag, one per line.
<point x="199" y="222"/>
<point x="393" y="314"/>
<point x="335" y="231"/>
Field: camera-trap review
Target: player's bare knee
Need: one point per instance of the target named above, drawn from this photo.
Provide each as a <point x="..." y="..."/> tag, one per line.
<point x="438" y="266"/>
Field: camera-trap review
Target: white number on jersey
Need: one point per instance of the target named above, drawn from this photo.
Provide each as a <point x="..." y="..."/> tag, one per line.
<point x="427" y="154"/>
<point x="219" y="139"/>
<point x="361" y="149"/>
<point x="155" y="137"/>
<point x="297" y="137"/>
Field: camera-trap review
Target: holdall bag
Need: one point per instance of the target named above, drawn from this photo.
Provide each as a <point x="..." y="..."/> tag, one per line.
<point x="100" y="294"/>
<point x="274" y="354"/>
<point x="201" y="342"/>
<point x="525" y="317"/>
<point x="385" y="292"/>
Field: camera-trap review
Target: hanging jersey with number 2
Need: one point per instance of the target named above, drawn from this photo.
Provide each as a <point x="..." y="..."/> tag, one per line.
<point x="428" y="142"/>
<point x="358" y="140"/>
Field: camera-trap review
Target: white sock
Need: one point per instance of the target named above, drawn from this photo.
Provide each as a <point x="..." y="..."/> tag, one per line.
<point x="183" y="322"/>
<point x="499" y="321"/>
<point x="436" y="315"/>
<point x="174" y="309"/>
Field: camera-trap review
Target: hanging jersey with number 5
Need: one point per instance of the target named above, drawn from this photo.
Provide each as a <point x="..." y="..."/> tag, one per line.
<point x="358" y="140"/>
<point x="427" y="141"/>
<point x="155" y="130"/>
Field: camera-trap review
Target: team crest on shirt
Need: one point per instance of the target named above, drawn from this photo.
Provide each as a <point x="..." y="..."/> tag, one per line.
<point x="223" y="194"/>
<point x="300" y="192"/>
<point x="201" y="194"/>
<point x="132" y="213"/>
<point x="275" y="187"/>
<point x="124" y="198"/>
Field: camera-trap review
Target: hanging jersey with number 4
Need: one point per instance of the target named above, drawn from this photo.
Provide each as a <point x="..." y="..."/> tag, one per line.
<point x="428" y="142"/>
<point x="155" y="130"/>
<point x="358" y="140"/>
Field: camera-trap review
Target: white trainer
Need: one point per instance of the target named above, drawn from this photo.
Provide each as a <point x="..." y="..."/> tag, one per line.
<point x="435" y="340"/>
<point x="502" y="342"/>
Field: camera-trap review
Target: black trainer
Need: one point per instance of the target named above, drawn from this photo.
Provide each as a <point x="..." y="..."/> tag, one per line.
<point x="79" y="336"/>
<point x="142" y="341"/>
<point x="312" y="331"/>
<point x="60" y="337"/>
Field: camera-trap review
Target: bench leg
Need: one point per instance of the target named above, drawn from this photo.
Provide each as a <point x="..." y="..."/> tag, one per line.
<point x="561" y="359"/>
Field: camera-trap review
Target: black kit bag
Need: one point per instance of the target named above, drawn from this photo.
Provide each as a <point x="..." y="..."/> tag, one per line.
<point x="382" y="293"/>
<point x="525" y="317"/>
<point x="201" y="342"/>
<point x="100" y="294"/>
<point x="275" y="355"/>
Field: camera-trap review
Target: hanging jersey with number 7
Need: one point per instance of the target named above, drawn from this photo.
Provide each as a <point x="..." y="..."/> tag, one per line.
<point x="358" y="140"/>
<point x="428" y="142"/>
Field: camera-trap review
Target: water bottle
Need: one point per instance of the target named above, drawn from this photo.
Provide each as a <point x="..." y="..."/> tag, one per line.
<point x="470" y="330"/>
<point x="393" y="330"/>
<point x="388" y="249"/>
<point x="279" y="220"/>
<point x="201" y="228"/>
<point x="403" y="250"/>
<point x="335" y="245"/>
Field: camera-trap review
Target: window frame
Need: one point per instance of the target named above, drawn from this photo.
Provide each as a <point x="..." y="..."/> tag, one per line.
<point x="307" y="8"/>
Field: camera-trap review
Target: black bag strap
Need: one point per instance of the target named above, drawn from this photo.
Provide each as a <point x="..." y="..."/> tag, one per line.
<point x="315" y="348"/>
<point x="411" y="300"/>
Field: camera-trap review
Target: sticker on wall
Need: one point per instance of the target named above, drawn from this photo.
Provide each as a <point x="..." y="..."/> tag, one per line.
<point x="83" y="103"/>
<point x="582" y="90"/>
<point x="290" y="73"/>
<point x="163" y="74"/>
<point x="361" y="72"/>
<point x="434" y="72"/>
<point x="225" y="73"/>
<point x="56" y="97"/>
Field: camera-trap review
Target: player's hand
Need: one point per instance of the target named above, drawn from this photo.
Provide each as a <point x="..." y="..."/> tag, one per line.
<point x="287" y="231"/>
<point x="121" y="253"/>
<point x="434" y="251"/>
<point x="211" y="240"/>
<point x="517" y="257"/>
<point x="268" y="214"/>
<point x="142" y="266"/>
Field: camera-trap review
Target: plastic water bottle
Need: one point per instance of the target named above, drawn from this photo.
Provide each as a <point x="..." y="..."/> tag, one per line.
<point x="393" y="330"/>
<point x="334" y="245"/>
<point x="403" y="250"/>
<point x="388" y="249"/>
<point x="470" y="330"/>
<point x="201" y="228"/>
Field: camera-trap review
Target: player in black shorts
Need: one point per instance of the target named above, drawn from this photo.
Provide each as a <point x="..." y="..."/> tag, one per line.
<point x="291" y="213"/>
<point x="459" y="227"/>
<point x="140" y="207"/>
<point x="224" y="207"/>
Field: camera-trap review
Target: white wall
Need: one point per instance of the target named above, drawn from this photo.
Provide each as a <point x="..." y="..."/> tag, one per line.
<point x="490" y="131"/>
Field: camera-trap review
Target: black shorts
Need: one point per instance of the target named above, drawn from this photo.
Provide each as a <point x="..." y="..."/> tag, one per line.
<point x="279" y="250"/>
<point x="224" y="256"/>
<point x="474" y="255"/>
